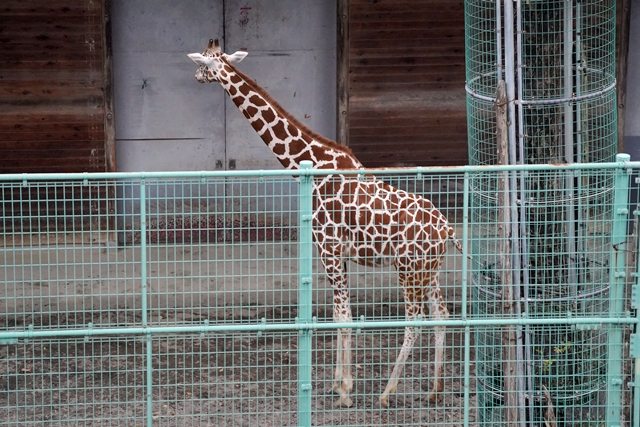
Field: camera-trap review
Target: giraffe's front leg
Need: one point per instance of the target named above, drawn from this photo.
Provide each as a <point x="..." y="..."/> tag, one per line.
<point x="343" y="381"/>
<point x="331" y="252"/>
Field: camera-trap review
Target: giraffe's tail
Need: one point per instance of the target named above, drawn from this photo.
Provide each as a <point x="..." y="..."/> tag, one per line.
<point x="452" y="235"/>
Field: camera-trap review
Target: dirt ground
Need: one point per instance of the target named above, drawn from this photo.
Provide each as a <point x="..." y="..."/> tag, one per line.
<point x="219" y="380"/>
<point x="213" y="379"/>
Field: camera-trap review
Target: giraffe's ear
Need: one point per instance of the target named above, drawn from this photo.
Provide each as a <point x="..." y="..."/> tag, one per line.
<point x="234" y="58"/>
<point x="198" y="58"/>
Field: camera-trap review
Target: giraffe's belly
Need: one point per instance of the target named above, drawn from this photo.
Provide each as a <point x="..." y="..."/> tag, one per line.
<point x="371" y="255"/>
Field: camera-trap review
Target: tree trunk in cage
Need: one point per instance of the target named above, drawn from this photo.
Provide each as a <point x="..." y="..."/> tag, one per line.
<point x="509" y="341"/>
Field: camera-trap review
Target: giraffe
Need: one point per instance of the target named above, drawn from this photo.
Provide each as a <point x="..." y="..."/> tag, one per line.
<point x="362" y="220"/>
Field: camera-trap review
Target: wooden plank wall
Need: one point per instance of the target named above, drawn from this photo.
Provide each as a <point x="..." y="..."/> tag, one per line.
<point x="623" y="22"/>
<point x="402" y="65"/>
<point x="55" y="104"/>
<point x="52" y="87"/>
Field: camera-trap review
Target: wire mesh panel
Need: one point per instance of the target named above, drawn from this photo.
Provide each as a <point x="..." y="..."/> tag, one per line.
<point x="63" y="276"/>
<point x="73" y="382"/>
<point x="202" y="306"/>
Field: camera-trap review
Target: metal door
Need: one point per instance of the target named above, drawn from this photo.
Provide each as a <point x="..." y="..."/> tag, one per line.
<point x="166" y="121"/>
<point x="291" y="47"/>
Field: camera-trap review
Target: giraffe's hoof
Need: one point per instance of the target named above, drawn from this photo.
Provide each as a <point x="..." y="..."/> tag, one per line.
<point x="342" y="388"/>
<point x="337" y="389"/>
<point x="434" y="397"/>
<point x="384" y="400"/>
<point x="347" y="385"/>
<point x="436" y="393"/>
<point x="343" y="401"/>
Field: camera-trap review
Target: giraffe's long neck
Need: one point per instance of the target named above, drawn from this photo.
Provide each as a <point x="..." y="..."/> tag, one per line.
<point x="289" y="139"/>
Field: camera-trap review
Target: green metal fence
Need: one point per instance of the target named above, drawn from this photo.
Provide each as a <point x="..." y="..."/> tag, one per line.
<point x="197" y="299"/>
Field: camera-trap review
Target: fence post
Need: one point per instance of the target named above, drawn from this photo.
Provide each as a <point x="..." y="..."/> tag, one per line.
<point x="305" y="248"/>
<point x="148" y="342"/>
<point x="634" y="354"/>
<point x="616" y="292"/>
<point x="143" y="251"/>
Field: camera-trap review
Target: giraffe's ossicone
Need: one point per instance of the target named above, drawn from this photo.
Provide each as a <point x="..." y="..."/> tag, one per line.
<point x="362" y="220"/>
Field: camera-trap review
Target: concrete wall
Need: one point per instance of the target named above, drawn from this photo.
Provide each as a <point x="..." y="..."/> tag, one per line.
<point x="165" y="120"/>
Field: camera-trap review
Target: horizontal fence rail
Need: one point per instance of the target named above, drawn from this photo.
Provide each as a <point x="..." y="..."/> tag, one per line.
<point x="200" y="298"/>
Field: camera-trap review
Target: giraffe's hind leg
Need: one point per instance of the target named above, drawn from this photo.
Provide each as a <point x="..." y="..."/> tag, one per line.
<point x="438" y="365"/>
<point x="426" y="287"/>
<point x="410" y="336"/>
<point x="413" y="306"/>
<point x="438" y="310"/>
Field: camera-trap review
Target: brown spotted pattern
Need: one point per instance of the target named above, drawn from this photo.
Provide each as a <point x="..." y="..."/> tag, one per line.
<point x="360" y="219"/>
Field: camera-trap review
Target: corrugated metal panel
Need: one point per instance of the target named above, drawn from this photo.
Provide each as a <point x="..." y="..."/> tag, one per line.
<point x="406" y="102"/>
<point x="55" y="104"/>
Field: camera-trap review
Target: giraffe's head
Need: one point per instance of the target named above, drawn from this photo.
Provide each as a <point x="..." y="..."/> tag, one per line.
<point x="212" y="61"/>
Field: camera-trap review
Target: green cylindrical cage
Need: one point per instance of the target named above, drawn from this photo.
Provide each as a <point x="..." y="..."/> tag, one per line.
<point x="557" y="59"/>
<point x="560" y="59"/>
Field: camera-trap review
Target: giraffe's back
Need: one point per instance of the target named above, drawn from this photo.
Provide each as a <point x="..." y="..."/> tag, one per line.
<point x="378" y="224"/>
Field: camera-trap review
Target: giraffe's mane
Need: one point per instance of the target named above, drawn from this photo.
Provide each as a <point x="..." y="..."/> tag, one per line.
<point x="290" y="117"/>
